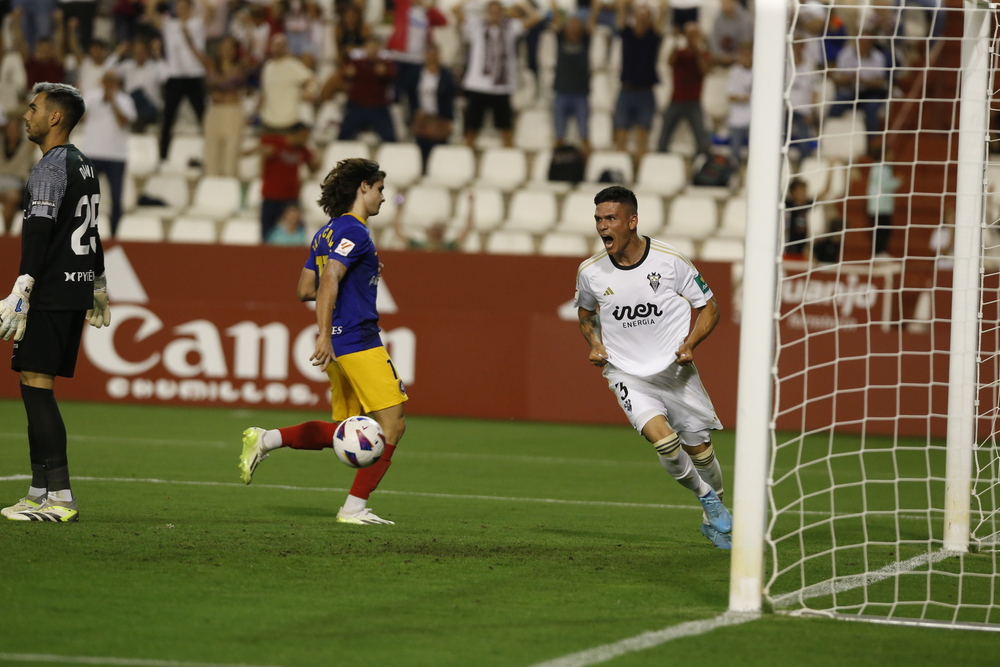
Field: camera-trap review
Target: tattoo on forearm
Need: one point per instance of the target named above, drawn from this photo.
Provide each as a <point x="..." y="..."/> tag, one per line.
<point x="590" y="327"/>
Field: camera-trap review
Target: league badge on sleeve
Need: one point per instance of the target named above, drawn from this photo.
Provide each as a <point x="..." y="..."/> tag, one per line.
<point x="701" y="283"/>
<point x="344" y="248"/>
<point x="654" y="281"/>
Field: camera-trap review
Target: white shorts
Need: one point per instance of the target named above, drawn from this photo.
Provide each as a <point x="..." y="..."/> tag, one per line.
<point x="676" y="393"/>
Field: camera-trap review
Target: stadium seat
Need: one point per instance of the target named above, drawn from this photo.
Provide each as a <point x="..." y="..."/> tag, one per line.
<point x="254" y="195"/>
<point x="722" y="250"/>
<point x="308" y="194"/>
<point x="426" y="205"/>
<point x="599" y="50"/>
<point x="558" y="244"/>
<point x="532" y="211"/>
<point x="577" y="213"/>
<point x="715" y="97"/>
<point x="503" y="168"/>
<point x="185" y="156"/>
<point x="662" y="173"/>
<point x="341" y="150"/>
<point x="650" y="213"/>
<point x="450" y="166"/>
<point x="503" y="242"/>
<point x="192" y="230"/>
<point x="533" y="130"/>
<point x="130" y="194"/>
<point x="449" y="43"/>
<point x="172" y="189"/>
<point x="401" y="161"/>
<point x="601" y="161"/>
<point x="734" y="219"/>
<point x="140" y="228"/>
<point x="387" y="213"/>
<point x="682" y="245"/>
<point x="842" y="137"/>
<point x="602" y="130"/>
<point x="816" y="173"/>
<point x="249" y="168"/>
<point x="691" y="217"/>
<point x="216" y="197"/>
<point x="487" y="212"/>
<point x="241" y="231"/>
<point x="143" y="154"/>
<point x="603" y="92"/>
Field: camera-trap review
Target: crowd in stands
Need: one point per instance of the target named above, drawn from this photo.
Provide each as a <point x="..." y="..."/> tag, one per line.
<point x="271" y="86"/>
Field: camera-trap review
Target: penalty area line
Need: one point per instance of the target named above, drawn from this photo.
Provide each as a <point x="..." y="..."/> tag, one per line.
<point x="118" y="662"/>
<point x="648" y="640"/>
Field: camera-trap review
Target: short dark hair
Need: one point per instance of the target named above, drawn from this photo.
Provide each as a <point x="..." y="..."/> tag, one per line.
<point x="64" y="97"/>
<point x="340" y="187"/>
<point x="620" y="195"/>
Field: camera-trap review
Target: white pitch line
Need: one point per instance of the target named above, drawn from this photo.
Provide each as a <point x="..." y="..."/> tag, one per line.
<point x="122" y="662"/>
<point x="647" y="640"/>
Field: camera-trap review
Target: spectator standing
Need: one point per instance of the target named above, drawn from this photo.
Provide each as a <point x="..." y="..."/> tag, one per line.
<point x="110" y="112"/>
<point x="45" y="61"/>
<point x="227" y="86"/>
<point x="91" y="66"/>
<point x="882" y="186"/>
<point x="299" y="19"/>
<point x="83" y="11"/>
<point x="572" y="80"/>
<point x="862" y="80"/>
<point x="290" y="231"/>
<point x="184" y="41"/>
<point x="143" y="76"/>
<point x="733" y="26"/>
<point x="369" y="81"/>
<point x="738" y="89"/>
<point x="283" y="155"/>
<point x="491" y="72"/>
<point x="13" y="78"/>
<point x="683" y="12"/>
<point x="17" y="157"/>
<point x="35" y="20"/>
<point x="285" y="82"/>
<point x="252" y="29"/>
<point x="640" y="48"/>
<point x="803" y="98"/>
<point x="432" y="122"/>
<point x="689" y="61"/>
<point x="798" y="207"/>
<point x="413" y="22"/>
<point x="125" y="14"/>
<point x="350" y="32"/>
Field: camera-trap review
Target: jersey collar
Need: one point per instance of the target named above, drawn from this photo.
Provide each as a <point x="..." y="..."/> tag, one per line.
<point x="360" y="219"/>
<point x="645" y="254"/>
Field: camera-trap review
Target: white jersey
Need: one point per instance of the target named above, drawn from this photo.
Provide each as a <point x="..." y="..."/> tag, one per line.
<point x="645" y="308"/>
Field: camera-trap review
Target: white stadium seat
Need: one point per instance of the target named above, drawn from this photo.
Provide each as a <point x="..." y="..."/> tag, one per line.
<point x="503" y="168"/>
<point x="216" y="197"/>
<point x="650" y="213"/>
<point x="192" y="230"/>
<point x="662" y="173"/>
<point x="722" y="250"/>
<point x="425" y="206"/>
<point x="602" y="130"/>
<point x="577" y="213"/>
<point x="684" y="246"/>
<point x="691" y="217"/>
<point x="533" y="130"/>
<point x="450" y="166"/>
<point x="184" y="151"/>
<point x="817" y="173"/>
<point x="487" y="208"/>
<point x="341" y="150"/>
<point x="715" y="97"/>
<point x="502" y="242"/>
<point x="532" y="211"/>
<point x="734" y="219"/>
<point x="558" y="244"/>
<point x="241" y="231"/>
<point x="143" y="154"/>
<point x="254" y="194"/>
<point x="172" y="189"/>
<point x="308" y="194"/>
<point x="600" y="161"/>
<point x="401" y="161"/>
<point x="842" y="137"/>
<point x="140" y="228"/>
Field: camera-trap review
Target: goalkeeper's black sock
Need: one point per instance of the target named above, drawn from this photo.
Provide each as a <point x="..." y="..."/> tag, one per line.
<point x="49" y="432"/>
<point x="38" y="483"/>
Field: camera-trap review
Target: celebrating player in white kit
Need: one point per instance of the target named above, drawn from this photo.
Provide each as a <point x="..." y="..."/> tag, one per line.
<point x="644" y="291"/>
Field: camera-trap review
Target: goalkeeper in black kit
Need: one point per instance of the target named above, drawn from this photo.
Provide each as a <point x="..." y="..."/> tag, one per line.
<point x="62" y="282"/>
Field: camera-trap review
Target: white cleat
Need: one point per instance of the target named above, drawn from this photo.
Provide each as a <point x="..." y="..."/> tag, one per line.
<point x="22" y="505"/>
<point x="51" y="510"/>
<point x="365" y="517"/>
<point x="253" y="452"/>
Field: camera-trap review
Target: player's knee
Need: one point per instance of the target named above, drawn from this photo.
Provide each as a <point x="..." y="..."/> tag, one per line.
<point x="668" y="447"/>
<point x="703" y="458"/>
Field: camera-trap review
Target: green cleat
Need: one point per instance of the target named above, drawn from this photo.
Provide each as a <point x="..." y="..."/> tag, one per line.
<point x="22" y="505"/>
<point x="50" y="511"/>
<point x="253" y="452"/>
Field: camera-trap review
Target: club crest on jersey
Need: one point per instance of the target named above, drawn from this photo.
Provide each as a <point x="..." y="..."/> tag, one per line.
<point x="654" y="281"/>
<point x="345" y="247"/>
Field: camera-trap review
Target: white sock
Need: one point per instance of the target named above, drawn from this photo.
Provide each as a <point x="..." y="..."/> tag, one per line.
<point x="271" y="439"/>
<point x="712" y="474"/>
<point x="682" y="469"/>
<point x="353" y="504"/>
<point x="35" y="492"/>
<point x="61" y="496"/>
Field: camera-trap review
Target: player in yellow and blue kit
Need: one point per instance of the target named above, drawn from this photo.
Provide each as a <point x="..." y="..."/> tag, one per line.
<point x="342" y="275"/>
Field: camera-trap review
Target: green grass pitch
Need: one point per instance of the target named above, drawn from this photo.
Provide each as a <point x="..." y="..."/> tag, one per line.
<point x="514" y="544"/>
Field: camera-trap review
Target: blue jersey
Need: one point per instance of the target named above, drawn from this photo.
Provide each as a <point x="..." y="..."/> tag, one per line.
<point x="355" y="319"/>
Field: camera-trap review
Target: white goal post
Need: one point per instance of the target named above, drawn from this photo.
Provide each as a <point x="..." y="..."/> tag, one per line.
<point x="867" y="469"/>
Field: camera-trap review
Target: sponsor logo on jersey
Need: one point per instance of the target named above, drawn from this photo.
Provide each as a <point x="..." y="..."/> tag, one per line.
<point x="636" y="312"/>
<point x="345" y="247"/>
<point x="701" y="283"/>
<point x="79" y="276"/>
<point x="654" y="281"/>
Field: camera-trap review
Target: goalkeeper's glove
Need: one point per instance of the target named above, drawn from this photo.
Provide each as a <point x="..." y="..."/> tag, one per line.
<point x="100" y="315"/>
<point x="14" y="309"/>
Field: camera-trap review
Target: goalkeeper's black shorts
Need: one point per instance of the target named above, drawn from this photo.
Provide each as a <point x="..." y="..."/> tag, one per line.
<point x="51" y="342"/>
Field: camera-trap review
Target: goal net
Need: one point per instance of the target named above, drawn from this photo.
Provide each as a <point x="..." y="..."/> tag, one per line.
<point x="883" y="482"/>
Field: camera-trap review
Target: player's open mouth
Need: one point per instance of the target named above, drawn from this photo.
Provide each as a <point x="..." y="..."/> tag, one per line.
<point x="608" y="241"/>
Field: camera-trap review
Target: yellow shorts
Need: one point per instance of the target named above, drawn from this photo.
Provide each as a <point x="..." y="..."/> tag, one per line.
<point x="363" y="382"/>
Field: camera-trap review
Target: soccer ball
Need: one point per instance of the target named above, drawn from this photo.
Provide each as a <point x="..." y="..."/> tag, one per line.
<point x="359" y="442"/>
